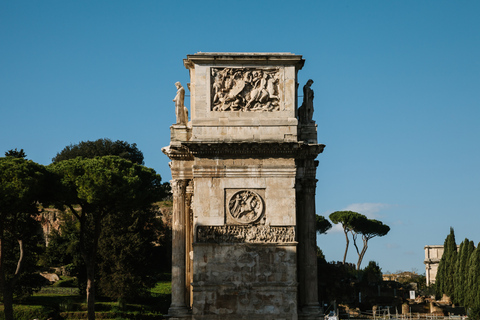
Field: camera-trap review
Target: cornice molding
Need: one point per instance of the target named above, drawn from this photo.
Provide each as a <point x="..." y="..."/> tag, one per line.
<point x="251" y="58"/>
<point x="254" y="149"/>
<point x="177" y="153"/>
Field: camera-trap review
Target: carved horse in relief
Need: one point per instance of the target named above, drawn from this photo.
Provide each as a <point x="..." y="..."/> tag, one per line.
<point x="233" y="96"/>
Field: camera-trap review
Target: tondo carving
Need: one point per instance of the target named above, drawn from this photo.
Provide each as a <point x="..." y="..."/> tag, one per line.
<point x="245" y="206"/>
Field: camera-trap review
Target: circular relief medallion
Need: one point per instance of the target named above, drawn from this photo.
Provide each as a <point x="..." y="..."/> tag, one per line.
<point x="245" y="206"/>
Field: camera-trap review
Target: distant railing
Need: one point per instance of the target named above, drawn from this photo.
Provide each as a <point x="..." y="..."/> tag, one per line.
<point x="410" y="316"/>
<point x="384" y="314"/>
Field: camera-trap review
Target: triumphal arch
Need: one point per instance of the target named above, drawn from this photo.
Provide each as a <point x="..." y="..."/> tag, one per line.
<point x="243" y="181"/>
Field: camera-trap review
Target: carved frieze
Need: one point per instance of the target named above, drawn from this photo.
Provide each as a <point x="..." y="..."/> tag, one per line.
<point x="245" y="234"/>
<point x="245" y="89"/>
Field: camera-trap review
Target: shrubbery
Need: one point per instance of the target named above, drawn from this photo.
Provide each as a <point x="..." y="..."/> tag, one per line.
<point x="21" y="312"/>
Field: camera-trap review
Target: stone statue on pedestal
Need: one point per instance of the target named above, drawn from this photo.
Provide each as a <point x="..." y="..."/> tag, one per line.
<point x="305" y="112"/>
<point x="181" y="111"/>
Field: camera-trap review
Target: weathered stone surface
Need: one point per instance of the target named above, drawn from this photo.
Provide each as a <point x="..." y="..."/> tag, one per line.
<point x="238" y="280"/>
<point x="245" y="234"/>
<point x="243" y="173"/>
<point x="433" y="254"/>
<point x="243" y="99"/>
<point x="52" y="277"/>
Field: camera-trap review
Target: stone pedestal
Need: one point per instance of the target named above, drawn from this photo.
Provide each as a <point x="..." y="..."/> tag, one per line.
<point x="308" y="133"/>
<point x="243" y="185"/>
<point x="179" y="133"/>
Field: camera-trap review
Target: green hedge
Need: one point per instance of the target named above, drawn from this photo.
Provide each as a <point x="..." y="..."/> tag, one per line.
<point x="109" y="315"/>
<point x="28" y="312"/>
<point x="42" y="313"/>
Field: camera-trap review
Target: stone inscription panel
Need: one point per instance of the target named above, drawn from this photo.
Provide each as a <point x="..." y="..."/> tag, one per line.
<point x="246" y="89"/>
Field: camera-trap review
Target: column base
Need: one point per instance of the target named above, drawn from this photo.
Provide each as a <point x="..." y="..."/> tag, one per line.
<point x="310" y="312"/>
<point x="175" y="313"/>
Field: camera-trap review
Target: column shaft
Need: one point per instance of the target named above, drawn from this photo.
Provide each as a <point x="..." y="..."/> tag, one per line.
<point x="189" y="243"/>
<point x="309" y="307"/>
<point x="178" y="306"/>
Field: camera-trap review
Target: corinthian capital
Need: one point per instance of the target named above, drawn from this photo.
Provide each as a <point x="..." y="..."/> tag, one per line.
<point x="178" y="185"/>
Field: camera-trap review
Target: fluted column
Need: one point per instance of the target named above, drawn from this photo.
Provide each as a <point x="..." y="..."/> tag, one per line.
<point x="189" y="243"/>
<point x="178" y="308"/>
<point x="309" y="306"/>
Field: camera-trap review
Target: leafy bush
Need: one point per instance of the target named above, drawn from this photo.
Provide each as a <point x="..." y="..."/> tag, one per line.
<point x="66" y="282"/>
<point x="474" y="313"/>
<point x="21" y="312"/>
<point x="111" y="315"/>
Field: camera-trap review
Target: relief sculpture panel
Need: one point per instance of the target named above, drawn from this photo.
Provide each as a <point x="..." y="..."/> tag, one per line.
<point x="245" y="234"/>
<point x="245" y="89"/>
<point x="245" y="206"/>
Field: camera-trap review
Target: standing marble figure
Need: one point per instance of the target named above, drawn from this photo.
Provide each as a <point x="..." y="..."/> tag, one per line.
<point x="305" y="112"/>
<point x="180" y="110"/>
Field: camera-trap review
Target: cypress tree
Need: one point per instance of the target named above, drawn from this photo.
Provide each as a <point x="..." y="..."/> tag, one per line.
<point x="446" y="268"/>
<point x="457" y="280"/>
<point x="472" y="292"/>
<point x="452" y="260"/>
<point x="440" y="277"/>
<point x="461" y="270"/>
<point x="470" y="250"/>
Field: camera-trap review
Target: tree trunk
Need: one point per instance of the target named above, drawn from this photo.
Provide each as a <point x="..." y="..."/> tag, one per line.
<point x="89" y="256"/>
<point x="359" y="261"/>
<point x="8" y="302"/>
<point x="6" y="289"/>
<point x="91" y="289"/>
<point x="19" y="263"/>
<point x="362" y="254"/>
<point x="346" y="248"/>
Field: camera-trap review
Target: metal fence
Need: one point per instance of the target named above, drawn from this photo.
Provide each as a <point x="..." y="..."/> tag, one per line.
<point x="409" y="316"/>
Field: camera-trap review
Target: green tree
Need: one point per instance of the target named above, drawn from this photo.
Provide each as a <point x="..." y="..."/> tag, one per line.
<point x="16" y="154"/>
<point x="459" y="264"/>
<point x="461" y="270"/>
<point x="368" y="229"/>
<point x="472" y="292"/>
<point x="62" y="249"/>
<point x="143" y="270"/>
<point x="348" y="219"/>
<point x="21" y="186"/>
<point x="336" y="281"/>
<point x="440" y="278"/>
<point x="322" y="224"/>
<point x="372" y="273"/>
<point x="446" y="269"/>
<point x="127" y="266"/>
<point x="99" y="148"/>
<point x="95" y="190"/>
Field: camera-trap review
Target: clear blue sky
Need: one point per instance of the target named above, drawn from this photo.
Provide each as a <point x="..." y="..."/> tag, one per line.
<point x="397" y="96"/>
